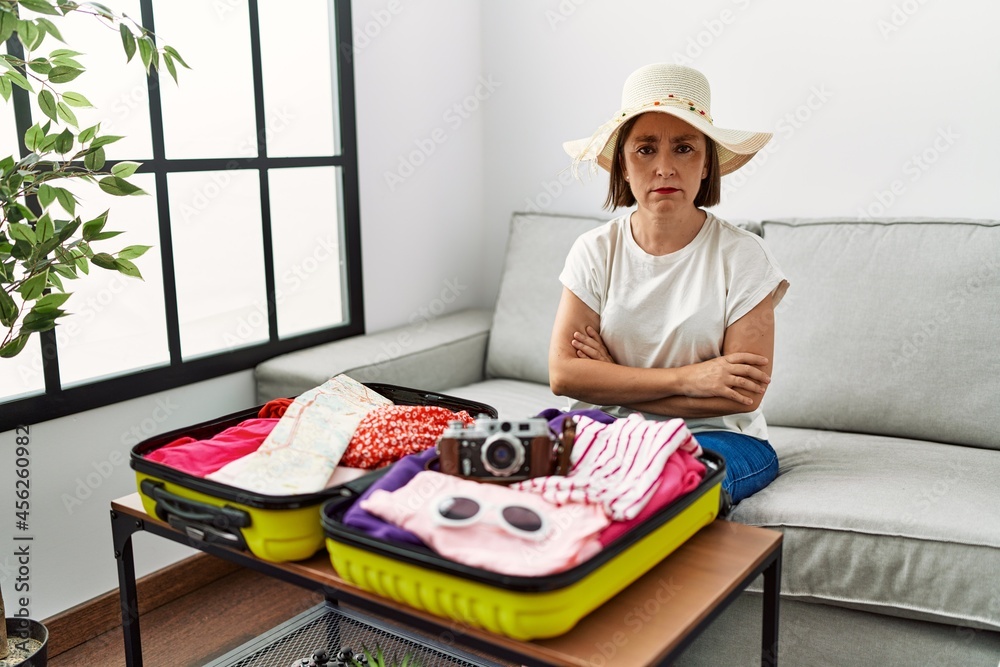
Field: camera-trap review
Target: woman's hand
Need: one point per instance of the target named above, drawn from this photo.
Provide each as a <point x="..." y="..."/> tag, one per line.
<point x="588" y="345"/>
<point x="723" y="375"/>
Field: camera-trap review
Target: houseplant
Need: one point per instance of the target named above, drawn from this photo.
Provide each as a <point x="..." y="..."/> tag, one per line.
<point x="42" y="240"/>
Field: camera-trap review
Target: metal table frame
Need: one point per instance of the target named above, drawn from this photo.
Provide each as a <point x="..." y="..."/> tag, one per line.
<point x="124" y="526"/>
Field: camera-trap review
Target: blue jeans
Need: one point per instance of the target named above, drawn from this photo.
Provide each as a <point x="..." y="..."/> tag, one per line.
<point x="751" y="464"/>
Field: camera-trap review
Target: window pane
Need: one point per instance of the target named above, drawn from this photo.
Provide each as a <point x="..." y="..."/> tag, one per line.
<point x="22" y="374"/>
<point x="211" y="112"/>
<point x="118" y="323"/>
<point x="219" y="260"/>
<point x="308" y="249"/>
<point x="299" y="94"/>
<point x="116" y="89"/>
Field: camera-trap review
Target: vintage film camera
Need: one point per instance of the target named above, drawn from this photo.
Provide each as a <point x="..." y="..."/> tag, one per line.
<point x="505" y="450"/>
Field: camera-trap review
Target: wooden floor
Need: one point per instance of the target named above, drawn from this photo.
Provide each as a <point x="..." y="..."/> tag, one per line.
<point x="199" y="626"/>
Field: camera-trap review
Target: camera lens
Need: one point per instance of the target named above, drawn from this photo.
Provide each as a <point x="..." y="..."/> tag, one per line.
<point x="502" y="455"/>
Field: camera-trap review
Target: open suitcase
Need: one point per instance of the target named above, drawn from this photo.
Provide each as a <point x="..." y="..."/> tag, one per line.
<point x="273" y="528"/>
<point x="520" y="607"/>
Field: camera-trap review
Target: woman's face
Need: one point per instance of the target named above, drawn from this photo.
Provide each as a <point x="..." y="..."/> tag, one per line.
<point x="664" y="161"/>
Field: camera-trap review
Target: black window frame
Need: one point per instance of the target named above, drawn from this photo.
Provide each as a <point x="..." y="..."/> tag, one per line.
<point x="58" y="401"/>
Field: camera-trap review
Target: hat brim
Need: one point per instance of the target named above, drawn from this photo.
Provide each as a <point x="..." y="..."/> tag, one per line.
<point x="735" y="147"/>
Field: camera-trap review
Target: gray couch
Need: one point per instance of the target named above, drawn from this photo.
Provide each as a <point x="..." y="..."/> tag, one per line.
<point x="883" y="412"/>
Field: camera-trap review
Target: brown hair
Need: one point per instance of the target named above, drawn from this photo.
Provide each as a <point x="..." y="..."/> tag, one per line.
<point x="620" y="193"/>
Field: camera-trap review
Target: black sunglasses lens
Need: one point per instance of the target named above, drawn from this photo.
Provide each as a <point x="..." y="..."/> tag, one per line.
<point x="523" y="518"/>
<point x="458" y="509"/>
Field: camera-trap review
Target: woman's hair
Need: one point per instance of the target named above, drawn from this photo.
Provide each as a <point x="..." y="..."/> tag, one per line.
<point x="620" y="194"/>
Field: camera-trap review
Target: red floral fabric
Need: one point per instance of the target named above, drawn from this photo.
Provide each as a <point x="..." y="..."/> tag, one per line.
<point x="389" y="433"/>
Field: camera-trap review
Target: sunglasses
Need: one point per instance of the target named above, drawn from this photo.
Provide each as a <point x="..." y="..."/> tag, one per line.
<point x="518" y="520"/>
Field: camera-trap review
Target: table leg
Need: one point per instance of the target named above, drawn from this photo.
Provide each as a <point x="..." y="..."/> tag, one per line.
<point x="122" y="529"/>
<point x="772" y="597"/>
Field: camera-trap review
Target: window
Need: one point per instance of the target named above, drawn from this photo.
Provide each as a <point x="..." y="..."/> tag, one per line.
<point x="251" y="168"/>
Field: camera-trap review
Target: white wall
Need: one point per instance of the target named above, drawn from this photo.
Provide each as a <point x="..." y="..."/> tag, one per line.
<point x="887" y="80"/>
<point x="422" y="226"/>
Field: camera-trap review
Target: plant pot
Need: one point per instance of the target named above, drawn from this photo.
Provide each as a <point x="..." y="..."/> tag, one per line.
<point x="19" y="629"/>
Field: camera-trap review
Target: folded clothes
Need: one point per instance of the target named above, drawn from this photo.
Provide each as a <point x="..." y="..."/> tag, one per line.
<point x="202" y="457"/>
<point x="616" y="465"/>
<point x="305" y="446"/>
<point x="492" y="527"/>
<point x="401" y="472"/>
<point x="387" y="434"/>
<point x="681" y="475"/>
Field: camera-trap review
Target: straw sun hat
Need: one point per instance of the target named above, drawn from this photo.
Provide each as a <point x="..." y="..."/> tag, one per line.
<point x="680" y="91"/>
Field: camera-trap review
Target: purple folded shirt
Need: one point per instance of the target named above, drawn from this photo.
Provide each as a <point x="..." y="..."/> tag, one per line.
<point x="401" y="472"/>
<point x="405" y="469"/>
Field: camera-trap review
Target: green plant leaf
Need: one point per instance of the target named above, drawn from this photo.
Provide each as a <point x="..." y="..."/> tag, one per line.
<point x="67" y="200"/>
<point x="76" y="100"/>
<point x="93" y="227"/>
<point x="64" y="73"/>
<point x="119" y="187"/>
<point x="102" y="236"/>
<point x="64" y="53"/>
<point x="40" y="6"/>
<point x="94" y="160"/>
<point x="28" y="33"/>
<point x="127" y="268"/>
<point x="50" y="302"/>
<point x="8" y="309"/>
<point x="104" y="260"/>
<point x="145" y="52"/>
<point x="83" y="264"/>
<point x="105" y="140"/>
<point x="21" y="232"/>
<point x="173" y="52"/>
<point x="33" y="287"/>
<point x="102" y="9"/>
<point x="47" y="103"/>
<point x="44" y="229"/>
<point x="68" y="272"/>
<point x="35" y="321"/>
<point x="40" y="65"/>
<point x="46" y="194"/>
<point x="12" y="348"/>
<point x="56" y="281"/>
<point x="125" y="169"/>
<point x="8" y="23"/>
<point x="64" y="142"/>
<point x="128" y="41"/>
<point x="170" y="66"/>
<point x="5" y="88"/>
<point x="18" y="80"/>
<point x="66" y="228"/>
<point x="67" y="114"/>
<point x="87" y="135"/>
<point x="50" y="28"/>
<point x="133" y="251"/>
<point x="33" y="137"/>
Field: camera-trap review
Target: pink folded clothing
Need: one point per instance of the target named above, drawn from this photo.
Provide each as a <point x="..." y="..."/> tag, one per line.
<point x="202" y="457"/>
<point x="617" y="466"/>
<point x="682" y="474"/>
<point x="490" y="526"/>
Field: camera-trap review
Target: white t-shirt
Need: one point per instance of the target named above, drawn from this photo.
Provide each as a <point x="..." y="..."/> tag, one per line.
<point x="672" y="310"/>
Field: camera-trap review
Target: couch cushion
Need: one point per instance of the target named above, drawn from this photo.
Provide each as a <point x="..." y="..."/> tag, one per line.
<point x="900" y="527"/>
<point x="513" y="399"/>
<point x="529" y="294"/>
<point x="889" y="328"/>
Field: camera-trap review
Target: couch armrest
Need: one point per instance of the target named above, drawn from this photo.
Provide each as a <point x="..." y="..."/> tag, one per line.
<point x="449" y="351"/>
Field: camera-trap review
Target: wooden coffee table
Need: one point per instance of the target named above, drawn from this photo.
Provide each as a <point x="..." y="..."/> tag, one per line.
<point x="649" y="623"/>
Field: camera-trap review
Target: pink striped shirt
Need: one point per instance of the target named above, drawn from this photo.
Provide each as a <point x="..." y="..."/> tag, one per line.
<point x="616" y="465"/>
